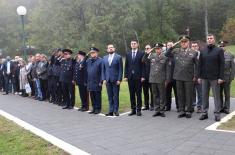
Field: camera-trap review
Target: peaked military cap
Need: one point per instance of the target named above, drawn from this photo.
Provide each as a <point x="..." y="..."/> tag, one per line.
<point x="81" y="53"/>
<point x="184" y="37"/>
<point x="67" y="50"/>
<point x="157" y="45"/>
<point x="94" y="49"/>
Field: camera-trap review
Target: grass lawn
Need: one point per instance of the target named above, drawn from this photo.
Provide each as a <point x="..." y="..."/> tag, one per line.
<point x="229" y="125"/>
<point x="16" y="140"/>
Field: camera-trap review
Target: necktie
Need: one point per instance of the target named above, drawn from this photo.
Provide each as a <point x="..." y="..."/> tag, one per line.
<point x="133" y="55"/>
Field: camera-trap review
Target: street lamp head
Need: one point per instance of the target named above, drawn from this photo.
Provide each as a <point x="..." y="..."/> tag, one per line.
<point x="21" y="10"/>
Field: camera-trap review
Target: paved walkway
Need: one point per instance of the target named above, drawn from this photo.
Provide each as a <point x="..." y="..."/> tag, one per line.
<point x="123" y="135"/>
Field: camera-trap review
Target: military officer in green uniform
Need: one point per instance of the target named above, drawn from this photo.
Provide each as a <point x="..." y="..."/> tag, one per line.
<point x="159" y="75"/>
<point x="229" y="70"/>
<point x="185" y="73"/>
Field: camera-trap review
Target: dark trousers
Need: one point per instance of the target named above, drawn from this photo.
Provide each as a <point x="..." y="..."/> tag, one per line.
<point x="185" y="95"/>
<point x="2" y="83"/>
<point x="171" y="85"/>
<point x="68" y="94"/>
<point x="51" y="88"/>
<point x="146" y="89"/>
<point x="7" y="78"/>
<point x="31" y="86"/>
<point x="206" y="84"/>
<point x="44" y="88"/>
<point x="96" y="100"/>
<point x="84" y="96"/>
<point x="15" y="83"/>
<point x="225" y="95"/>
<point x="58" y="91"/>
<point x="113" y="96"/>
<point x="159" y="95"/>
<point x="135" y="89"/>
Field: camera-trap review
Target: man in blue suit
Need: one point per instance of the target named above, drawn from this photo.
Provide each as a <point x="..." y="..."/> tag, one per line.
<point x="134" y="74"/>
<point x="112" y="71"/>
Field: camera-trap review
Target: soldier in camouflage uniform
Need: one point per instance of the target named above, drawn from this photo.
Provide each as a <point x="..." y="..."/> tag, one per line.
<point x="229" y="70"/>
<point x="185" y="73"/>
<point x="159" y="75"/>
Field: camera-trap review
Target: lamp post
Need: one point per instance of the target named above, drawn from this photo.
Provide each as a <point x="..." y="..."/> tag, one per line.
<point x="21" y="11"/>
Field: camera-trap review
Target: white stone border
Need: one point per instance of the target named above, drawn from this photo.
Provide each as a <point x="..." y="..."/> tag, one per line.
<point x="50" y="138"/>
<point x="214" y="126"/>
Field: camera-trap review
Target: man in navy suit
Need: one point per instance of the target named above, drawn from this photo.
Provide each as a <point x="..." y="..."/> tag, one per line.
<point x="7" y="72"/>
<point x="134" y="74"/>
<point x="112" y="71"/>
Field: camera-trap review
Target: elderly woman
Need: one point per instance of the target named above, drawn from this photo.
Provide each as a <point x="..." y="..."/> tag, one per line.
<point x="23" y="77"/>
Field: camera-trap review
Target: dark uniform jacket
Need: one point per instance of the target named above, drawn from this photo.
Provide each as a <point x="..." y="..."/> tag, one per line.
<point x="159" y="67"/>
<point x="94" y="74"/>
<point x="229" y="67"/>
<point x="67" y="68"/>
<point x="211" y="63"/>
<point x="80" y="73"/>
<point x="186" y="63"/>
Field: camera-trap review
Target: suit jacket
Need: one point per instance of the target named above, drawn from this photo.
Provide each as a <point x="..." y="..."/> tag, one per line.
<point x="4" y="68"/>
<point x="113" y="72"/>
<point x="134" y="69"/>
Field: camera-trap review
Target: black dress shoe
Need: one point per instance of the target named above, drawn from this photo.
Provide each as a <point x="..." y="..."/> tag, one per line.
<point x="109" y="114"/>
<point x="116" y="114"/>
<point x="181" y="115"/>
<point x="188" y="115"/>
<point x="97" y="112"/>
<point x="5" y="94"/>
<point x="70" y="107"/>
<point x="138" y="113"/>
<point x="217" y="118"/>
<point x="163" y="114"/>
<point x="145" y="108"/>
<point x="151" y="108"/>
<point x="84" y="109"/>
<point x="226" y="111"/>
<point x="203" y="117"/>
<point x="92" y="112"/>
<point x="65" y="107"/>
<point x="132" y="113"/>
<point x="157" y="114"/>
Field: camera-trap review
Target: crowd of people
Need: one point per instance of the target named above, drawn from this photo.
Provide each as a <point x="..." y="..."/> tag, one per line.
<point x="186" y="68"/>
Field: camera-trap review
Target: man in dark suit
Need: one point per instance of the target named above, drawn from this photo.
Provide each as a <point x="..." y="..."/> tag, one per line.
<point x="80" y="78"/>
<point x="134" y="74"/>
<point x="7" y="72"/>
<point x="112" y="71"/>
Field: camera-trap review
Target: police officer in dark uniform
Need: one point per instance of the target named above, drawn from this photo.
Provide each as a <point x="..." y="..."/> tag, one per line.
<point x="80" y="78"/>
<point x="50" y="81"/>
<point x="94" y="79"/>
<point x="229" y="73"/>
<point x="185" y="73"/>
<point x="55" y="59"/>
<point x="66" y="78"/>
